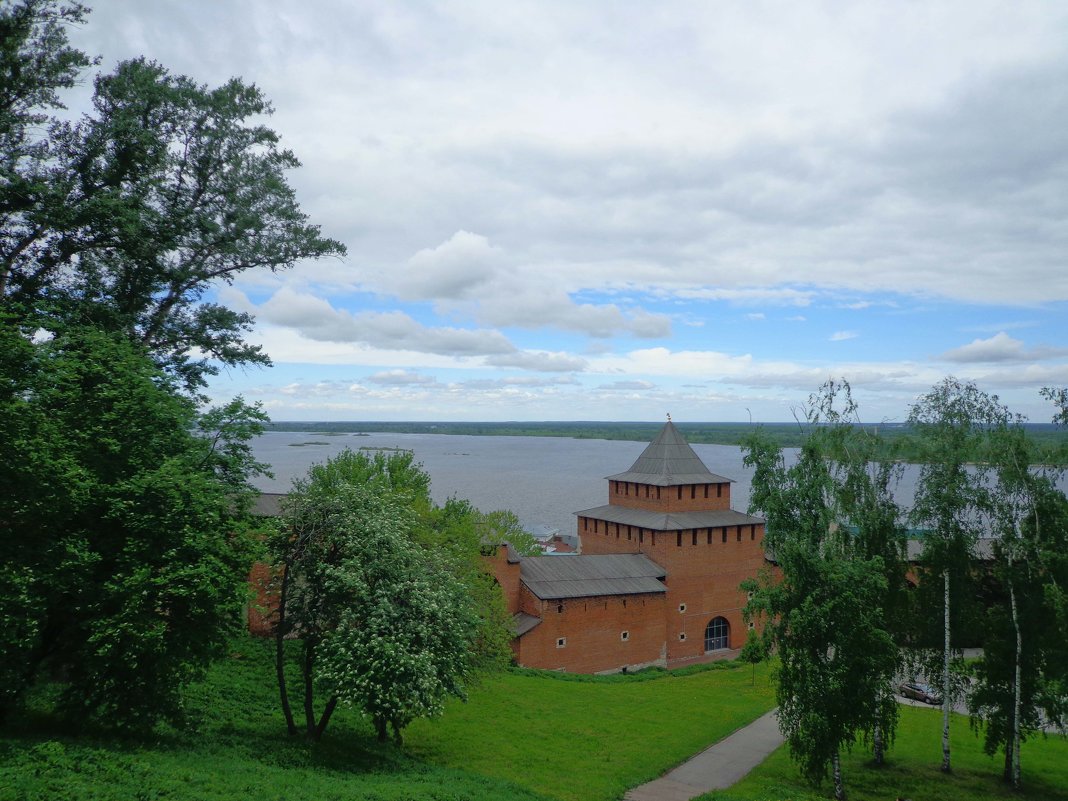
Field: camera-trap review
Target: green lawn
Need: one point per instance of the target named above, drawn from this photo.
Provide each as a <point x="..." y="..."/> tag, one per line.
<point x="586" y="741"/>
<point x="523" y="736"/>
<point x="912" y="769"/>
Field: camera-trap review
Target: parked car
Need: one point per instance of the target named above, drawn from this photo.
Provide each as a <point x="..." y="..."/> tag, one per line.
<point x="920" y="692"/>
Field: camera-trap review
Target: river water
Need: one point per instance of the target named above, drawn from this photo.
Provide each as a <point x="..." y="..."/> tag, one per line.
<point x="544" y="480"/>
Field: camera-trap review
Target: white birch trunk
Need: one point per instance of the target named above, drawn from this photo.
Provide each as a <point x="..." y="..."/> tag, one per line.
<point x="839" y="788"/>
<point x="1017" y="699"/>
<point x="946" y="699"/>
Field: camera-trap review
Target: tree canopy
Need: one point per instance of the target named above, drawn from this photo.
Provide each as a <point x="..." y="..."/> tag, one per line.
<point x="125" y="556"/>
<point x="386" y="625"/>
<point x="128" y="217"/>
<point x="823" y="613"/>
<point x="121" y="498"/>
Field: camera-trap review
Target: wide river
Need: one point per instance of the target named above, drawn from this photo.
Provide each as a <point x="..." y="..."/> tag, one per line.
<point x="542" y="479"/>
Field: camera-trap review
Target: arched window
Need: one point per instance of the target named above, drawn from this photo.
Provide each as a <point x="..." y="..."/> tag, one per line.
<point x="717" y="634"/>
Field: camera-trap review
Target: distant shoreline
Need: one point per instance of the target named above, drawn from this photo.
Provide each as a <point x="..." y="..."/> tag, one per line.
<point x="786" y="435"/>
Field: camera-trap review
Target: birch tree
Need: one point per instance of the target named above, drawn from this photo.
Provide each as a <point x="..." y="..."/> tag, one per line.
<point x="1019" y="677"/>
<point x="951" y="503"/>
<point x="822" y="615"/>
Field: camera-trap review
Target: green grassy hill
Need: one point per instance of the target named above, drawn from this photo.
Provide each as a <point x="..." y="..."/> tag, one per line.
<point x="522" y="735"/>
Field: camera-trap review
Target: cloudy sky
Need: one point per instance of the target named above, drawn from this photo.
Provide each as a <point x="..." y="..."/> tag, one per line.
<point x="610" y="211"/>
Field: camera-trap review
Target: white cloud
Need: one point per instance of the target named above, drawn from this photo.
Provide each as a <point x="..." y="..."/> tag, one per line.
<point x="539" y="361"/>
<point x="457" y="268"/>
<point x="514" y="192"/>
<point x="627" y="386"/>
<point x="400" y="378"/>
<point x="1000" y="348"/>
<point x="316" y="319"/>
<point x="781" y="296"/>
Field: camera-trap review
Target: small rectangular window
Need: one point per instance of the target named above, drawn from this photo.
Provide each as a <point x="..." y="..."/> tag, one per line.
<point x="624" y="635"/>
<point x="752" y="532"/>
<point x="658" y="493"/>
<point x="739" y="533"/>
<point x="706" y="490"/>
<point x="709" y="531"/>
<point x="724" y="533"/>
<point x="719" y="490"/>
<point x="693" y="492"/>
<point x="646" y="490"/>
<point x="626" y="488"/>
<point x="641" y="535"/>
<point x="561" y="642"/>
<point x="682" y="636"/>
<point x="682" y="608"/>
<point x="678" y="540"/>
<point x="680" y="492"/>
<point x="694" y="535"/>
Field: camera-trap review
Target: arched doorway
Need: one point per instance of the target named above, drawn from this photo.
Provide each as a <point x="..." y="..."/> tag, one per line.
<point x="717" y="634"/>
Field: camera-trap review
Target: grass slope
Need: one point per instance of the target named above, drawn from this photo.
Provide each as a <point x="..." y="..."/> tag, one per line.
<point x="591" y="740"/>
<point x="522" y="735"/>
<point x="912" y="769"/>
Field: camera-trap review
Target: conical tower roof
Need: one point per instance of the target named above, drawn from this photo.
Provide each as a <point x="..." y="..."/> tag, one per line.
<point x="669" y="461"/>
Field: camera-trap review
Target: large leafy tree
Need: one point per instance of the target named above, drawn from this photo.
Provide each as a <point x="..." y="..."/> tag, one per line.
<point x="380" y="588"/>
<point x="127" y="218"/>
<point x="124" y="551"/>
<point x="122" y="499"/>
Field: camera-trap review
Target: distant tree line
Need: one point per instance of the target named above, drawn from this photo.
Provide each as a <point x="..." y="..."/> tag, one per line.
<point x="894" y="440"/>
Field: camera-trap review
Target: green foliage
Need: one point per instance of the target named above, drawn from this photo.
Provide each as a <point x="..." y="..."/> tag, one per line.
<point x="124" y="219"/>
<point x="387" y="626"/>
<point x="952" y="506"/>
<point x="833" y="532"/>
<point x="125" y="557"/>
<point x="500" y="526"/>
<point x="1021" y="675"/>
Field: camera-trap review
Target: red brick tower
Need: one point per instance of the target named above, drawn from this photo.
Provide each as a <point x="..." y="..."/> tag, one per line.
<point x="671" y="508"/>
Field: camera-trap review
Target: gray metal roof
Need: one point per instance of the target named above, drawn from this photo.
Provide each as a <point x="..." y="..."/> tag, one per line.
<point x="669" y="461"/>
<point x="522" y="623"/>
<point x="983" y="549"/>
<point x="673" y="521"/>
<point x="268" y="504"/>
<point x="586" y="576"/>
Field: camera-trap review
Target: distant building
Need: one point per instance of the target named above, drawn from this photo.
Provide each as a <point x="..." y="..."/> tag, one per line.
<point x="657" y="578"/>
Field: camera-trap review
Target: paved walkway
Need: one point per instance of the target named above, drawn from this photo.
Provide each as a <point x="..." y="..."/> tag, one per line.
<point x="717" y="767"/>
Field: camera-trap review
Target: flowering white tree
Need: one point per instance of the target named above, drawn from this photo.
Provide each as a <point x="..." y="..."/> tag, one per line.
<point x="386" y="625"/>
